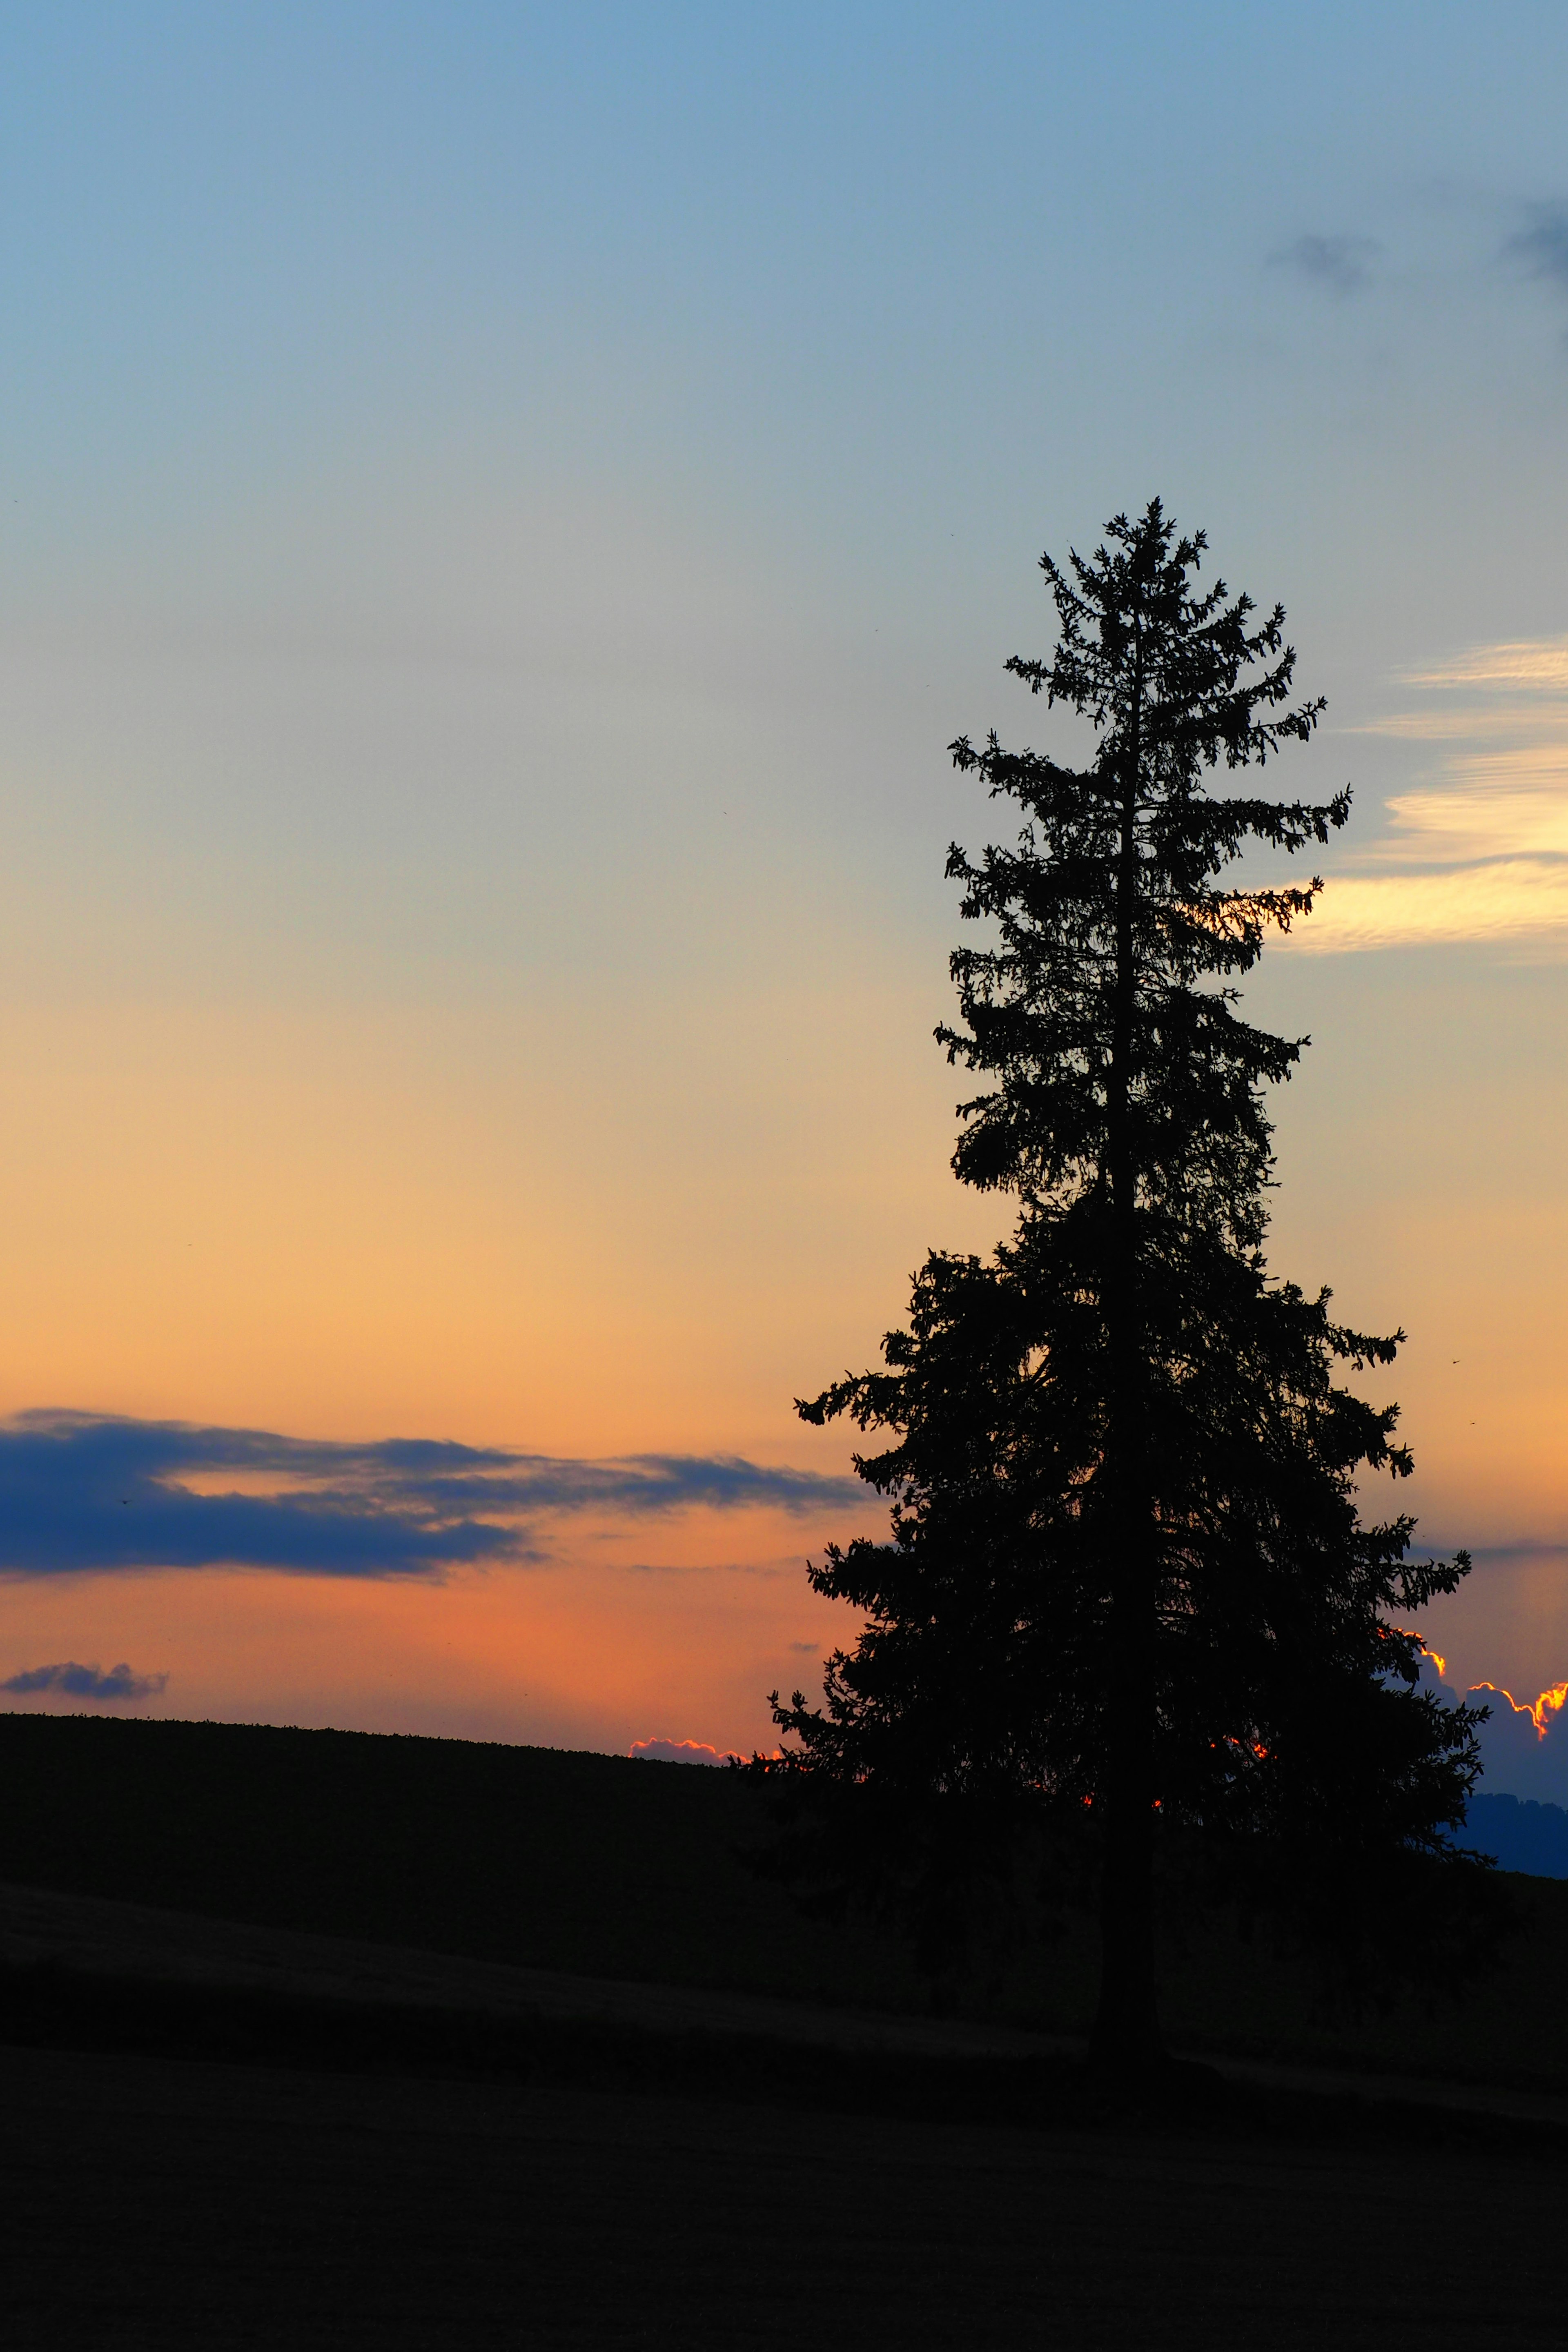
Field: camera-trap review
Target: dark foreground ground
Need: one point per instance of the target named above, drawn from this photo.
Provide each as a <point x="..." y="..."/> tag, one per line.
<point x="151" y="2202"/>
<point x="227" y="2136"/>
<point x="313" y="2038"/>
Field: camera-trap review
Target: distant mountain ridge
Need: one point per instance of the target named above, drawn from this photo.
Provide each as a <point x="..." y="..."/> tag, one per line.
<point x="1523" y="1834"/>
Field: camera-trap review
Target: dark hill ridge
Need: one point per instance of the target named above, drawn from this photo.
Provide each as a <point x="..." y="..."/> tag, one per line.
<point x="535" y="1857"/>
<point x="599" y="1866"/>
<point x="1520" y="1833"/>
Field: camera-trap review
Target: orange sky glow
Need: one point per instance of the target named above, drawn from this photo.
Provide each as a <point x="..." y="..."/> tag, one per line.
<point x="493" y="554"/>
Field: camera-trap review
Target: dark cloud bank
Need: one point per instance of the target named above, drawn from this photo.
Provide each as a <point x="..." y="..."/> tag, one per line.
<point x="71" y="1681"/>
<point x="87" y="1491"/>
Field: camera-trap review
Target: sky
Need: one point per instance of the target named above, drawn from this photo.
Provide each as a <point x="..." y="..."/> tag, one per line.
<point x="501" y="511"/>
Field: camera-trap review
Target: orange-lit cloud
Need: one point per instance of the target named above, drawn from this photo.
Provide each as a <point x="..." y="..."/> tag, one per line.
<point x="1482" y="852"/>
<point x="1523" y="1745"/>
<point x="678" y="1751"/>
<point x="1512" y="900"/>
<point x="1541" y="1712"/>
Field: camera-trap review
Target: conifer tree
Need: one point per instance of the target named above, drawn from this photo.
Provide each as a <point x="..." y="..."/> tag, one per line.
<point x="1127" y="1573"/>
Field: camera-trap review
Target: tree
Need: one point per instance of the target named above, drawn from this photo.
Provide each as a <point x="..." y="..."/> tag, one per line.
<point x="1127" y="1575"/>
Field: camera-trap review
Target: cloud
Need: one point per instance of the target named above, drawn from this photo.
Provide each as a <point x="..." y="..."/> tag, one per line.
<point x="1538" y="662"/>
<point x="1524" y="1742"/>
<point x="1480" y="852"/>
<point x="1542" y="244"/>
<point x="1344" y="264"/>
<point x="84" y="1681"/>
<point x="1524" y="1749"/>
<point x="1521" y="1548"/>
<point x="1449" y="723"/>
<point x="1517" y="899"/>
<point x="677" y="1751"/>
<point x="1468" y="828"/>
<point x="92" y="1491"/>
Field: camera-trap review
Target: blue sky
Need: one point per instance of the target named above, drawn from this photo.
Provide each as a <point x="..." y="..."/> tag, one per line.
<point x="869" y="294"/>
<point x="501" y="510"/>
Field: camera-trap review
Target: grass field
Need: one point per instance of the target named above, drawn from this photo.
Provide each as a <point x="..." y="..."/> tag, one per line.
<point x="601" y="1867"/>
<point x="151" y="2204"/>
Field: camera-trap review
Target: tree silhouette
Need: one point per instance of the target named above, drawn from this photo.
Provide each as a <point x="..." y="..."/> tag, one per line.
<point x="1126" y="1577"/>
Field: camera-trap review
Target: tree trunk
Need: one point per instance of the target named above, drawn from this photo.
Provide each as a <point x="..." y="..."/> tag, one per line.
<point x="1126" y="2040"/>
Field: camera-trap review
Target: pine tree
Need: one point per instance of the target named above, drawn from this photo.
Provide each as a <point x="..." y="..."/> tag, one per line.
<point x="1127" y="1573"/>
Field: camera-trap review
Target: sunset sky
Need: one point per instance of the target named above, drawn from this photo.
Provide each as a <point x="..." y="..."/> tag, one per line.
<point x="501" y="510"/>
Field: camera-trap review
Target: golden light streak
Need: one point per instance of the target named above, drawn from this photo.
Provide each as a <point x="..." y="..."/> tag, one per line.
<point x="1541" y="1712"/>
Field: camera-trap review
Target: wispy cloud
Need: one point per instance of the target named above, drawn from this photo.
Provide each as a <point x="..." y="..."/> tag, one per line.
<point x="1480" y="852"/>
<point x="1453" y="722"/>
<point x="1344" y="264"/>
<point x="1541" y="244"/>
<point x="89" y="1491"/>
<point x="72" y="1681"/>
<point x="1515" y="899"/>
<point x="1539" y="663"/>
<point x="1465" y="826"/>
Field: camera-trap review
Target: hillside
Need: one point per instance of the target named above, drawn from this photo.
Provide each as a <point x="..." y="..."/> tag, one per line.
<point x="1519" y="1832"/>
<point x="540" y="1857"/>
<point x="600" y="1867"/>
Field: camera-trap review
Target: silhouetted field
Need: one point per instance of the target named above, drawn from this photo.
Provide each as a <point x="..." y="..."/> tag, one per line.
<point x="536" y="1856"/>
<point x="218" y="2137"/>
<point x="605" y="1867"/>
<point x="203" y="2204"/>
